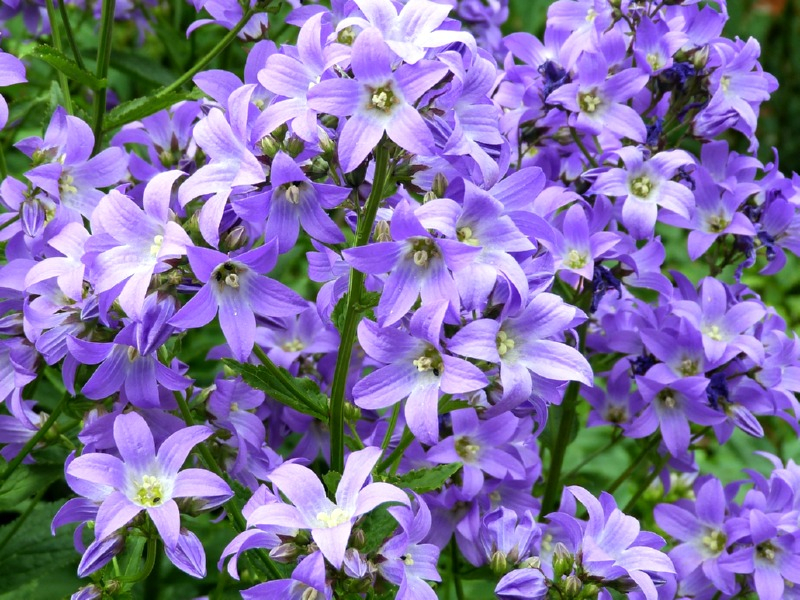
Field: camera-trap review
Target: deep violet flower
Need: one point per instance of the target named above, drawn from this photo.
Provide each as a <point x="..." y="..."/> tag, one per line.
<point x="145" y="480"/>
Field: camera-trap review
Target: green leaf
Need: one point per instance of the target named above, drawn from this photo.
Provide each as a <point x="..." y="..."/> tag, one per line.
<point x="332" y="479"/>
<point x="68" y="67"/>
<point x="25" y="482"/>
<point x="301" y="394"/>
<point x="34" y="554"/>
<point x="427" y="480"/>
<point x="377" y="526"/>
<point x="137" y="109"/>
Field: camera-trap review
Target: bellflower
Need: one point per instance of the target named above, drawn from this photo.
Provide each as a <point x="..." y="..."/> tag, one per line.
<point x="143" y="480"/>
<point x="377" y="101"/>
<point x="644" y="185"/>
<point x="597" y="103"/>
<point x="420" y="264"/>
<point x="308" y="581"/>
<point x="416" y="369"/>
<point x="12" y="71"/>
<point x="68" y="269"/>
<point x="234" y="288"/>
<point x="330" y="523"/>
<point x="130" y="245"/>
<point x="520" y="345"/>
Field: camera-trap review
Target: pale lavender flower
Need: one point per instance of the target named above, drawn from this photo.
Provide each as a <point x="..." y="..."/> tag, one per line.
<point x="145" y="480"/>
<point x="330" y="523"/>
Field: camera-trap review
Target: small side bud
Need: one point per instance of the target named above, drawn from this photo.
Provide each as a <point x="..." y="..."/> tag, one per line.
<point x="236" y="238"/>
<point x="294" y="146"/>
<point x="498" y="563"/>
<point x="269" y="146"/>
<point x="572" y="586"/>
<point x="439" y="186"/>
<point x="351" y="412"/>
<point x="382" y="232"/>
<point x="563" y="561"/>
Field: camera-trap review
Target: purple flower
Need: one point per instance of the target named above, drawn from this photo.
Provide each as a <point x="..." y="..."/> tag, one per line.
<point x="420" y="264"/>
<point x="405" y="560"/>
<point x="379" y="101"/>
<point x="234" y="287"/>
<point x="330" y="523"/>
<point x="66" y="168"/>
<point x="129" y="245"/>
<point x="410" y="32"/>
<point x="145" y="480"/>
<point x="416" y="368"/>
<point x="520" y="345"/>
<point x="68" y="269"/>
<point x="308" y="581"/>
<point x="644" y="185"/>
<point x="482" y="447"/>
<point x="12" y="71"/>
<point x="297" y="201"/>
<point x="597" y="102"/>
<point x="522" y="584"/>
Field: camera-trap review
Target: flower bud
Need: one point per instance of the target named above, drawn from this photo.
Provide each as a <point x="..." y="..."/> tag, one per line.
<point x="563" y="561"/>
<point x="294" y="146"/>
<point x="439" y="186"/>
<point x="382" y="232"/>
<point x="428" y="196"/>
<point x="269" y="146"/>
<point x="351" y="412"/>
<point x="572" y="586"/>
<point x="327" y="145"/>
<point x="358" y="540"/>
<point x="236" y="238"/>
<point x="534" y="562"/>
<point x="700" y="58"/>
<point x="498" y="563"/>
<point x="285" y="553"/>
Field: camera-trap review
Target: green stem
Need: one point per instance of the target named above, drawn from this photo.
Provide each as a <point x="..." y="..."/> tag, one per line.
<point x="13" y="219"/>
<point x="614" y="440"/>
<point x="62" y="79"/>
<point x="211" y="54"/>
<point x="103" y="60"/>
<point x="280" y="375"/>
<point x="62" y="9"/>
<point x="19" y="521"/>
<point x="234" y="512"/>
<point x="454" y="571"/>
<point x="150" y="561"/>
<point x="646" y="483"/>
<point x="569" y="415"/>
<point x="632" y="467"/>
<point x="3" y="166"/>
<point x="37" y="437"/>
<point x="592" y="160"/>
<point x="353" y="311"/>
<point x="405" y="442"/>
<point x="387" y="439"/>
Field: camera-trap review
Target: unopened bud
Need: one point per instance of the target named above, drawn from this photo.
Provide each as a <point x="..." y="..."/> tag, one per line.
<point x="439" y="186"/>
<point x="236" y="238"/>
<point x="498" y="563"/>
<point x="382" y="232"/>
<point x="351" y="412"/>
<point x="534" y="562"/>
<point x="285" y="553"/>
<point x="563" y="561"/>
<point x="428" y="196"/>
<point x="700" y="58"/>
<point x="319" y="167"/>
<point x="572" y="586"/>
<point x="327" y="145"/>
<point x="294" y="146"/>
<point x="269" y="146"/>
<point x="358" y="540"/>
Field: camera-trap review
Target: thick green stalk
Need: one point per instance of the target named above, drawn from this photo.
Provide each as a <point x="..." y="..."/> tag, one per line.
<point x="150" y="561"/>
<point x="569" y="416"/>
<point x="633" y="466"/>
<point x="103" y="60"/>
<point x="234" y="511"/>
<point x="62" y="79"/>
<point x="352" y="310"/>
<point x="62" y="9"/>
<point x="405" y="442"/>
<point x="37" y="437"/>
<point x="211" y="54"/>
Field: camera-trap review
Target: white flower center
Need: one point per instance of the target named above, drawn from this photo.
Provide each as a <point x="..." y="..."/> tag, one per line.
<point x="150" y="491"/>
<point x="575" y="260"/>
<point x="158" y="240"/>
<point x="642" y="186"/>
<point x="333" y="518"/>
<point x="589" y="102"/>
<point x="293" y="194"/>
<point x="466" y="236"/>
<point x="504" y="343"/>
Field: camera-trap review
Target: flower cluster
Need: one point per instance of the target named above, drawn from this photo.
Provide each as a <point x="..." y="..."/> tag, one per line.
<point x="377" y="277"/>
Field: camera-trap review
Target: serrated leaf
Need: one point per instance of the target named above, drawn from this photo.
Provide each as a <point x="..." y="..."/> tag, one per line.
<point x="32" y="552"/>
<point x="427" y="480"/>
<point x="139" y="108"/>
<point x="68" y="67"/>
<point x="301" y="394"/>
<point x="25" y="482"/>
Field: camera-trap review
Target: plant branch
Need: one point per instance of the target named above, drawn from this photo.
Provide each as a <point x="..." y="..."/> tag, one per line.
<point x="352" y="310"/>
<point x="56" y="34"/>
<point x="103" y="61"/>
<point x="62" y="9"/>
